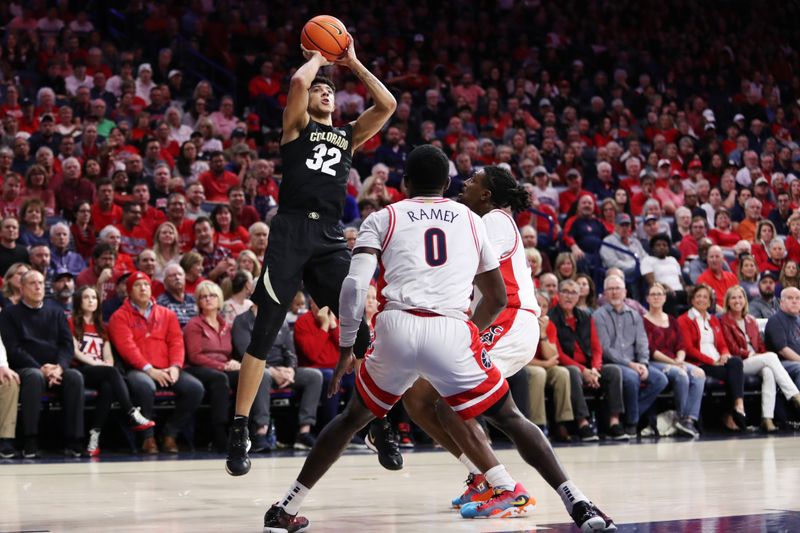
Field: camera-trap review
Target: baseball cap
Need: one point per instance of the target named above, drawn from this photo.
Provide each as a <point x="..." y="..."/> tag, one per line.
<point x="762" y="181"/>
<point x="238" y="132"/>
<point x="174" y="72"/>
<point x="544" y="102"/>
<point x="710" y="126"/>
<point x="47" y="117"/>
<point x="120" y="277"/>
<point x="623" y="218"/>
<point x="708" y="115"/>
<point x="573" y="173"/>
<point x="737" y="117"/>
<point x="695" y="164"/>
<point x="664" y="162"/>
<point x="145" y="66"/>
<point x="136" y="276"/>
<point x="25" y="101"/>
<point x="650" y="218"/>
<point x="768" y="274"/>
<point x="62" y="273"/>
<point x="539" y="170"/>
<point x="241" y="149"/>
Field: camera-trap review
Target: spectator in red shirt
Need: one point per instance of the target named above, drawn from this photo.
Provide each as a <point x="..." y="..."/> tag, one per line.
<point x="74" y="188"/>
<point x="149" y="340"/>
<point x="316" y="336"/>
<point x="569" y="197"/>
<point x="151" y="216"/>
<point x="580" y="351"/>
<point x="259" y="236"/>
<point x="688" y="247"/>
<point x="135" y="236"/>
<point x="104" y="211"/>
<point x="216" y="180"/>
<point x="229" y="234"/>
<point x="176" y="214"/>
<point x="647" y="192"/>
<point x="11" y="201"/>
<point x="246" y="215"/>
<point x="716" y="278"/>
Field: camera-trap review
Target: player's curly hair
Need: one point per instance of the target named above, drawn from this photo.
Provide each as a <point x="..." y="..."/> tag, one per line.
<point x="505" y="189"/>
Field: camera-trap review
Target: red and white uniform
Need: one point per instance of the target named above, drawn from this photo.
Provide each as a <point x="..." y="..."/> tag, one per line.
<point x="431" y="249"/>
<point x="514" y="335"/>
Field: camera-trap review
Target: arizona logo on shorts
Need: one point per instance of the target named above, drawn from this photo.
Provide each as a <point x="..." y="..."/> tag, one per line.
<point x="488" y="337"/>
<point x="486" y="361"/>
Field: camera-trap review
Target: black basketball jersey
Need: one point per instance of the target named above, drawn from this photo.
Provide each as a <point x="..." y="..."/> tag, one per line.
<point x="316" y="166"/>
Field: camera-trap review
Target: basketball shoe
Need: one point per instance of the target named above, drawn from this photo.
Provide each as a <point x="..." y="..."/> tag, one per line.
<point x="478" y="490"/>
<point x="238" y="463"/>
<point x="381" y="440"/>
<point x="279" y="521"/>
<point x="139" y="422"/>
<point x="503" y="504"/>
<point x="590" y="519"/>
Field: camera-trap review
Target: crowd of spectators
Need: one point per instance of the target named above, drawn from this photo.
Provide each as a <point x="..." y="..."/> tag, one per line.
<point x="659" y="147"/>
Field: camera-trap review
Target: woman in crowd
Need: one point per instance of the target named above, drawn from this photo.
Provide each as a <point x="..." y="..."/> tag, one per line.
<point x="789" y="276"/>
<point x="534" y="258"/>
<point x="36" y="187"/>
<point x="92" y="170"/>
<point x="793" y="240"/>
<point x="375" y="189"/>
<point x="765" y="232"/>
<point x="188" y="166"/>
<point x="776" y="256"/>
<point x="668" y="355"/>
<point x="744" y="340"/>
<point x="229" y="234"/>
<point x="12" y="284"/>
<point x="192" y="264"/>
<point x="166" y="248"/>
<point x="748" y="276"/>
<point x="208" y="349"/>
<point x="682" y="225"/>
<point x="623" y="201"/>
<point x="608" y="214"/>
<point x="565" y="267"/>
<point x="96" y="363"/>
<point x="84" y="235"/>
<point x="705" y="346"/>
<point x="723" y="235"/>
<point x="33" y="230"/>
<point x="112" y="236"/>
<point x="587" y="299"/>
<point x="248" y="262"/>
<point x="241" y="287"/>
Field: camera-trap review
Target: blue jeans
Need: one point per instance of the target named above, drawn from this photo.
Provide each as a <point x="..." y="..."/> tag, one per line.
<point x="329" y="407"/>
<point x="686" y="388"/>
<point x="793" y="368"/>
<point x="639" y="397"/>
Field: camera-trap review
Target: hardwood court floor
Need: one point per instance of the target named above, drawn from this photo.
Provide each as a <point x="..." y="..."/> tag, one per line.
<point x="634" y="483"/>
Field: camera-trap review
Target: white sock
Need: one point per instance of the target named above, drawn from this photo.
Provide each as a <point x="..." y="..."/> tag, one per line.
<point x="570" y="494"/>
<point x="499" y="479"/>
<point x="294" y="498"/>
<point x="470" y="466"/>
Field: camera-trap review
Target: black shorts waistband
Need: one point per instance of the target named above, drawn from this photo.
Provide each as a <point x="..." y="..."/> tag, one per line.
<point x="309" y="214"/>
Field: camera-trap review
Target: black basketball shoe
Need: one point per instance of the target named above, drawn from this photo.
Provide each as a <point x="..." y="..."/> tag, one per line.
<point x="279" y="521"/>
<point x="381" y="440"/>
<point x="238" y="463"/>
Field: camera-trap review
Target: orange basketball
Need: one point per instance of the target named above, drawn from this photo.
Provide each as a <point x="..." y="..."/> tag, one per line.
<point x="326" y="34"/>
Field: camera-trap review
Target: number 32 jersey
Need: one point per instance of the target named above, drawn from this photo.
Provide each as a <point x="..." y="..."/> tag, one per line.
<point x="316" y="166"/>
<point x="431" y="250"/>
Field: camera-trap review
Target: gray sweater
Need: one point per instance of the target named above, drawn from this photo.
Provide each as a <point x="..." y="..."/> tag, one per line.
<point x="622" y="335"/>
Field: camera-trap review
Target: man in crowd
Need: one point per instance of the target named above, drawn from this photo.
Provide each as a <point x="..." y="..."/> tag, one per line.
<point x="716" y="277"/>
<point x="133" y="230"/>
<point x="61" y="257"/>
<point x="766" y="304"/>
<point x="782" y="334"/>
<point x="10" y="251"/>
<point x="217" y="261"/>
<point x="40" y="349"/>
<point x="216" y="180"/>
<point x="174" y="296"/>
<point x="149" y="341"/>
<point x="259" y="237"/>
<point x="104" y="211"/>
<point x="624" y="340"/>
<point x="63" y="289"/>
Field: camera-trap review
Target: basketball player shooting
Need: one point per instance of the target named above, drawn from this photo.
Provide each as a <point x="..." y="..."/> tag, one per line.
<point x="306" y="243"/>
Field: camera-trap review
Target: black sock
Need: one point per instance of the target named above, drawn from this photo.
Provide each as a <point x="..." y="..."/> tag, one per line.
<point x="240" y="420"/>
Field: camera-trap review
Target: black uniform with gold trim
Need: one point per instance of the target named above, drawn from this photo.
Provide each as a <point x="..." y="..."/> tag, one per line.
<point x="306" y="240"/>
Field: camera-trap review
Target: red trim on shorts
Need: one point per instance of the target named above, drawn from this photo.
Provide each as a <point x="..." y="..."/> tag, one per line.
<point x="369" y="383"/>
<point x="422" y="313"/>
<point x="494" y="377"/>
<point x="493" y="334"/>
<point x="361" y="386"/>
<point x="390" y="231"/>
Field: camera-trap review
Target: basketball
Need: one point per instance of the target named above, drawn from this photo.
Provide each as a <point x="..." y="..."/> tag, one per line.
<point x="326" y="34"/>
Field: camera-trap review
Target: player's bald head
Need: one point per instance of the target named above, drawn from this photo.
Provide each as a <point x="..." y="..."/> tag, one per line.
<point x="427" y="169"/>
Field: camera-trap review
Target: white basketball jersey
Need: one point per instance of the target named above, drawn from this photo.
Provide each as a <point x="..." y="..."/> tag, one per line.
<point x="507" y="243"/>
<point x="431" y="250"/>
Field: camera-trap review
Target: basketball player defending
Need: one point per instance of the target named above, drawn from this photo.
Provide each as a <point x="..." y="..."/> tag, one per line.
<point x="306" y="243"/>
<point x="430" y="250"/>
<point x="511" y="340"/>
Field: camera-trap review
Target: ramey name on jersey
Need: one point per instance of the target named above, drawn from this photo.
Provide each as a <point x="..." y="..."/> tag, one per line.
<point x="316" y="167"/>
<point x="431" y="250"/>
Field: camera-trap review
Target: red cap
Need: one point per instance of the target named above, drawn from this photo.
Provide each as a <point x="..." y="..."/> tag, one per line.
<point x="136" y="276"/>
<point x="695" y="164"/>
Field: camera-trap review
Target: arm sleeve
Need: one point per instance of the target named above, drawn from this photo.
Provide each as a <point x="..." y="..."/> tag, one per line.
<point x="175" y="347"/>
<point x="354" y="296"/>
<point x="66" y="346"/>
<point x="121" y="335"/>
<point x="600" y="325"/>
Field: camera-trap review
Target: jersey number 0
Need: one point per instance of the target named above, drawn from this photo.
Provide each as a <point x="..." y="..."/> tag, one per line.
<point x="324" y="158"/>
<point x="435" y="247"/>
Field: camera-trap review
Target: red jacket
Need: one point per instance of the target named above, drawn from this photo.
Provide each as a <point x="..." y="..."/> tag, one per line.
<point x="206" y="346"/>
<point x="735" y="339"/>
<point x="690" y="332"/>
<point x="157" y="341"/>
<point x="316" y="348"/>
